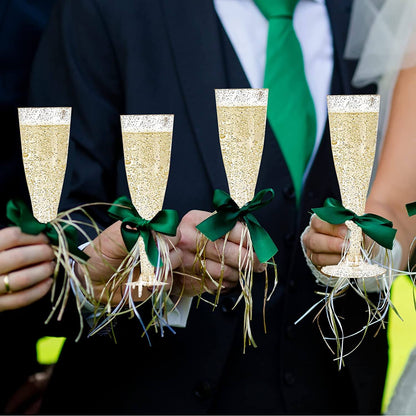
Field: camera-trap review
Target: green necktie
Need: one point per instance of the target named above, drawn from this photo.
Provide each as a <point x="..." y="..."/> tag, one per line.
<point x="291" y="111"/>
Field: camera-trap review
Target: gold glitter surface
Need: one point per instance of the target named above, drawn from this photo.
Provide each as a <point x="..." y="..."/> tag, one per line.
<point x="241" y="123"/>
<point x="147" y="146"/>
<point x="45" y="150"/>
<point x="353" y="124"/>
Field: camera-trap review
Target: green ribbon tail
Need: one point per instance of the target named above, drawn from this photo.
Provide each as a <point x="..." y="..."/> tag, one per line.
<point x="19" y="214"/>
<point x="378" y="228"/>
<point x="151" y="249"/>
<point x="227" y="215"/>
<point x="130" y="237"/>
<point x="71" y="235"/>
<point x="262" y="242"/>
<point x="411" y="208"/>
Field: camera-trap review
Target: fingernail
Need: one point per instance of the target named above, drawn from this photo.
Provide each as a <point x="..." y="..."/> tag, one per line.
<point x="262" y="267"/>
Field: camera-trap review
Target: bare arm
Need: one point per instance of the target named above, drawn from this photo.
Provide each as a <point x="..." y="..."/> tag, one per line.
<point x="395" y="181"/>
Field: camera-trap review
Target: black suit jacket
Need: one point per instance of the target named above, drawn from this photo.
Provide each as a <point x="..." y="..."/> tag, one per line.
<point x="167" y="56"/>
<point x="21" y="25"/>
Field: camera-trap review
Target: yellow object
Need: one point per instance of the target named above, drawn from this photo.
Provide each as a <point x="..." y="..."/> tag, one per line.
<point x="48" y="349"/>
<point x="401" y="334"/>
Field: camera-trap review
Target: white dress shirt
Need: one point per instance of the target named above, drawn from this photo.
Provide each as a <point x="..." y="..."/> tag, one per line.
<point x="247" y="30"/>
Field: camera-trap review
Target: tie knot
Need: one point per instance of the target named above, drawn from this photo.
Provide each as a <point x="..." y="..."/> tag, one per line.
<point x="277" y="8"/>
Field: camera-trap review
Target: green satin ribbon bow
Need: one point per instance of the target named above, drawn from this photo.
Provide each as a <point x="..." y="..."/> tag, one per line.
<point x="165" y="222"/>
<point x="411" y="208"/>
<point x="19" y="214"/>
<point x="376" y="227"/>
<point x="227" y="215"/>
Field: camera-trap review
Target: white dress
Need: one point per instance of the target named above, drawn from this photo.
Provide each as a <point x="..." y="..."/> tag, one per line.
<point x="382" y="34"/>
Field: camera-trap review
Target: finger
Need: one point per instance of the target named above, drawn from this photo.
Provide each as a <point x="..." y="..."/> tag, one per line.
<point x="238" y="236"/>
<point x="13" y="237"/>
<point x="322" y="243"/>
<point x="25" y="297"/>
<point x="324" y="227"/>
<point x="173" y="241"/>
<point x="185" y="284"/>
<point x="324" y="259"/>
<point x="25" y="278"/>
<point x="214" y="268"/>
<point x="234" y="255"/>
<point x="175" y="256"/>
<point x="236" y="233"/>
<point x="24" y="256"/>
<point x="109" y="243"/>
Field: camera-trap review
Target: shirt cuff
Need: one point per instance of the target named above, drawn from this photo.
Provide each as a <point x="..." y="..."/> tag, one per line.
<point x="177" y="313"/>
<point x="390" y="259"/>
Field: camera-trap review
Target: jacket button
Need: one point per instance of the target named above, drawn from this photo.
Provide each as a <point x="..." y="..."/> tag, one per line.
<point x="203" y="390"/>
<point x="289" y="192"/>
<point x="227" y="304"/>
<point x="289" y="378"/>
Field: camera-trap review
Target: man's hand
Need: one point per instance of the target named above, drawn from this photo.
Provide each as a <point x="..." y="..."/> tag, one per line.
<point x="26" y="267"/>
<point x="107" y="252"/>
<point x="190" y="278"/>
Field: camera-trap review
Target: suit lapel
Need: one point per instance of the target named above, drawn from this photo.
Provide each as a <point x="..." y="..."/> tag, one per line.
<point x="197" y="54"/>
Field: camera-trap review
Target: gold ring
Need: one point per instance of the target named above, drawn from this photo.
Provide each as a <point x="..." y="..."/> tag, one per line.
<point x="7" y="283"/>
<point x="310" y="257"/>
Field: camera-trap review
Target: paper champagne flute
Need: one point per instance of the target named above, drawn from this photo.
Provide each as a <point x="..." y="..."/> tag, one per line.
<point x="241" y="117"/>
<point x="44" y="136"/>
<point x="353" y="121"/>
<point x="147" y="141"/>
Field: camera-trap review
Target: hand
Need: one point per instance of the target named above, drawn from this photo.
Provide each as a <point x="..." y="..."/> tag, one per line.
<point x="190" y="279"/>
<point x="27" y="264"/>
<point x="324" y="242"/>
<point x="107" y="252"/>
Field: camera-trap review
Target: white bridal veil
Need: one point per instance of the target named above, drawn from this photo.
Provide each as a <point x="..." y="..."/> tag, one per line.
<point x="382" y="34"/>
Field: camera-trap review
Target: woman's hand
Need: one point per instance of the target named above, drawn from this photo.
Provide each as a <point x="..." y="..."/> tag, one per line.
<point x="323" y="242"/>
<point x="26" y="266"/>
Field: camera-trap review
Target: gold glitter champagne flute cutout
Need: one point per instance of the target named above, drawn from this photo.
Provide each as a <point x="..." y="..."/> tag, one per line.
<point x="147" y="141"/>
<point x="44" y="136"/>
<point x="241" y="115"/>
<point x="353" y="121"/>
